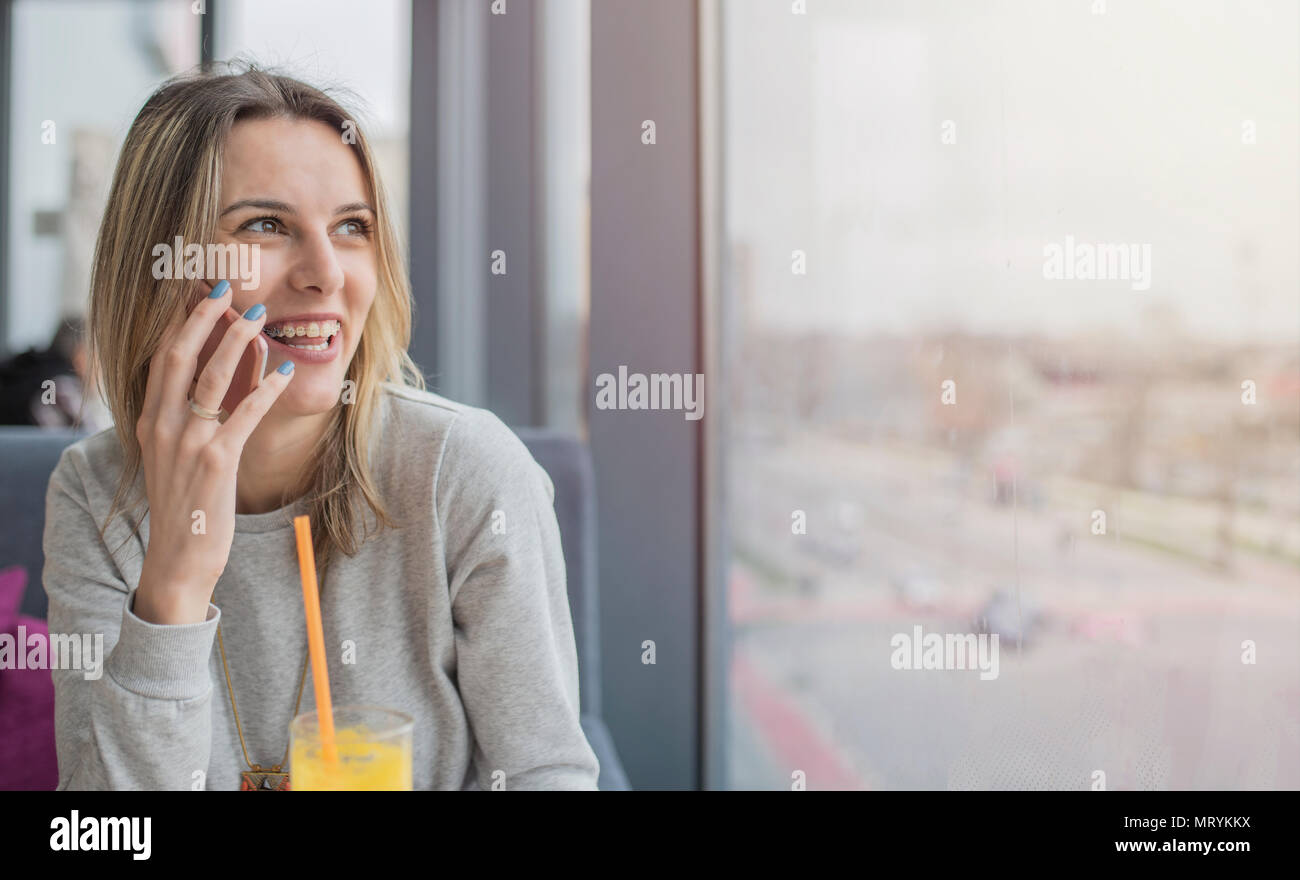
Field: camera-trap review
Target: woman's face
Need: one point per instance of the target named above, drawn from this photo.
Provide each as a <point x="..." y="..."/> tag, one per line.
<point x="296" y="191"/>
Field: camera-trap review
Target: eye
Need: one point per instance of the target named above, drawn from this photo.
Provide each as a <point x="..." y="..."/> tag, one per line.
<point x="354" y="226"/>
<point x="253" y="225"/>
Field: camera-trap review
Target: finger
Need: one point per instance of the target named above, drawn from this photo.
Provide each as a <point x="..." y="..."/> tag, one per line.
<point x="237" y="429"/>
<point x="153" y="384"/>
<point x="214" y="380"/>
<point x="180" y="359"/>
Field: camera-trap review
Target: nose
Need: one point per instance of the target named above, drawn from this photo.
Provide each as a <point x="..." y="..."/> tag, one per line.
<point x="316" y="266"/>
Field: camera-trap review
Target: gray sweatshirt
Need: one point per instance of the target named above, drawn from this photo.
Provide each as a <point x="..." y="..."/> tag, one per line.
<point x="461" y="620"/>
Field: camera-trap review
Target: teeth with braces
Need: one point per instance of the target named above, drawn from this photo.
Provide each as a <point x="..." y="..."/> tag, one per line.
<point x="310" y="329"/>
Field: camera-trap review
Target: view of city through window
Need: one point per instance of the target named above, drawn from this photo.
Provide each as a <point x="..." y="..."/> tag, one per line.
<point x="1015" y="352"/>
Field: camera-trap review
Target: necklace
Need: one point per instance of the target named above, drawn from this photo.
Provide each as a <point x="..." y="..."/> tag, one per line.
<point x="257" y="777"/>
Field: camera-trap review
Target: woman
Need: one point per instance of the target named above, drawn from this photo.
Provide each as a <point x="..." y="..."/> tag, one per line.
<point x="173" y="531"/>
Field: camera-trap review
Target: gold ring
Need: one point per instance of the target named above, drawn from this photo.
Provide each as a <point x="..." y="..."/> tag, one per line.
<point x="203" y="412"/>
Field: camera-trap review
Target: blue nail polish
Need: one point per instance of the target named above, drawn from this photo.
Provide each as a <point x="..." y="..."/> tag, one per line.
<point x="255" y="312"/>
<point x="220" y="290"/>
<point x="285" y="368"/>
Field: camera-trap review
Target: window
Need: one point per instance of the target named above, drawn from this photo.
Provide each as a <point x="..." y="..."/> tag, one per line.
<point x="564" y="119"/>
<point x="1013" y="310"/>
<point x="79" y="73"/>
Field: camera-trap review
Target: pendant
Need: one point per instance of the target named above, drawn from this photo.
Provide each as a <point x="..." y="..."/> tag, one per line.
<point x="262" y="779"/>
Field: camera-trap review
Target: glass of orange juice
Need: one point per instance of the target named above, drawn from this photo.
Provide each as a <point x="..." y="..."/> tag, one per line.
<point x="373" y="745"/>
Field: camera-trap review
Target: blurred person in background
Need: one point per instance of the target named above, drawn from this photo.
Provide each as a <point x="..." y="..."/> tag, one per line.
<point x="27" y="398"/>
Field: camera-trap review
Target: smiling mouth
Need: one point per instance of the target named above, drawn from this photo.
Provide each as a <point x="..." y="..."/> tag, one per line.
<point x="306" y="336"/>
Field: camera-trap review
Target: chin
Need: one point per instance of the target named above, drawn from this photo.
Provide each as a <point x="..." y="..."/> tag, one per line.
<point x="308" y="400"/>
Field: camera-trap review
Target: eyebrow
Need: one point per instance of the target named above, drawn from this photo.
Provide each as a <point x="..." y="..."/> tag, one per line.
<point x="286" y="208"/>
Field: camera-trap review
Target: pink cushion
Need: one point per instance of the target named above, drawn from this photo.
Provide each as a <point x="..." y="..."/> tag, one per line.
<point x="13" y="583"/>
<point x="28" y="761"/>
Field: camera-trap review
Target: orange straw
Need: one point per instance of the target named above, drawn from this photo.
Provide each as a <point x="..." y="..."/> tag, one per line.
<point x="315" y="636"/>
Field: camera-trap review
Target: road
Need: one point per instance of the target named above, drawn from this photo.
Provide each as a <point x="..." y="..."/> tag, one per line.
<point x="1136" y="671"/>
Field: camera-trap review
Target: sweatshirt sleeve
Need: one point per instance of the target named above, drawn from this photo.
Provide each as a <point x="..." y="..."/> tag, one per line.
<point x="142" y="719"/>
<point x="517" y="664"/>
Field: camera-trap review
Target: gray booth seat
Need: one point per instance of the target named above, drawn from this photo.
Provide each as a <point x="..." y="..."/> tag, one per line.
<point x="28" y="457"/>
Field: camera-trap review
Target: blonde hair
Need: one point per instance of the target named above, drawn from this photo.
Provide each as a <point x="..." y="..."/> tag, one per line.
<point x="167" y="183"/>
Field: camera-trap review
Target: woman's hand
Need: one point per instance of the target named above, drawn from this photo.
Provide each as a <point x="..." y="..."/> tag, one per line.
<point x="190" y="463"/>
